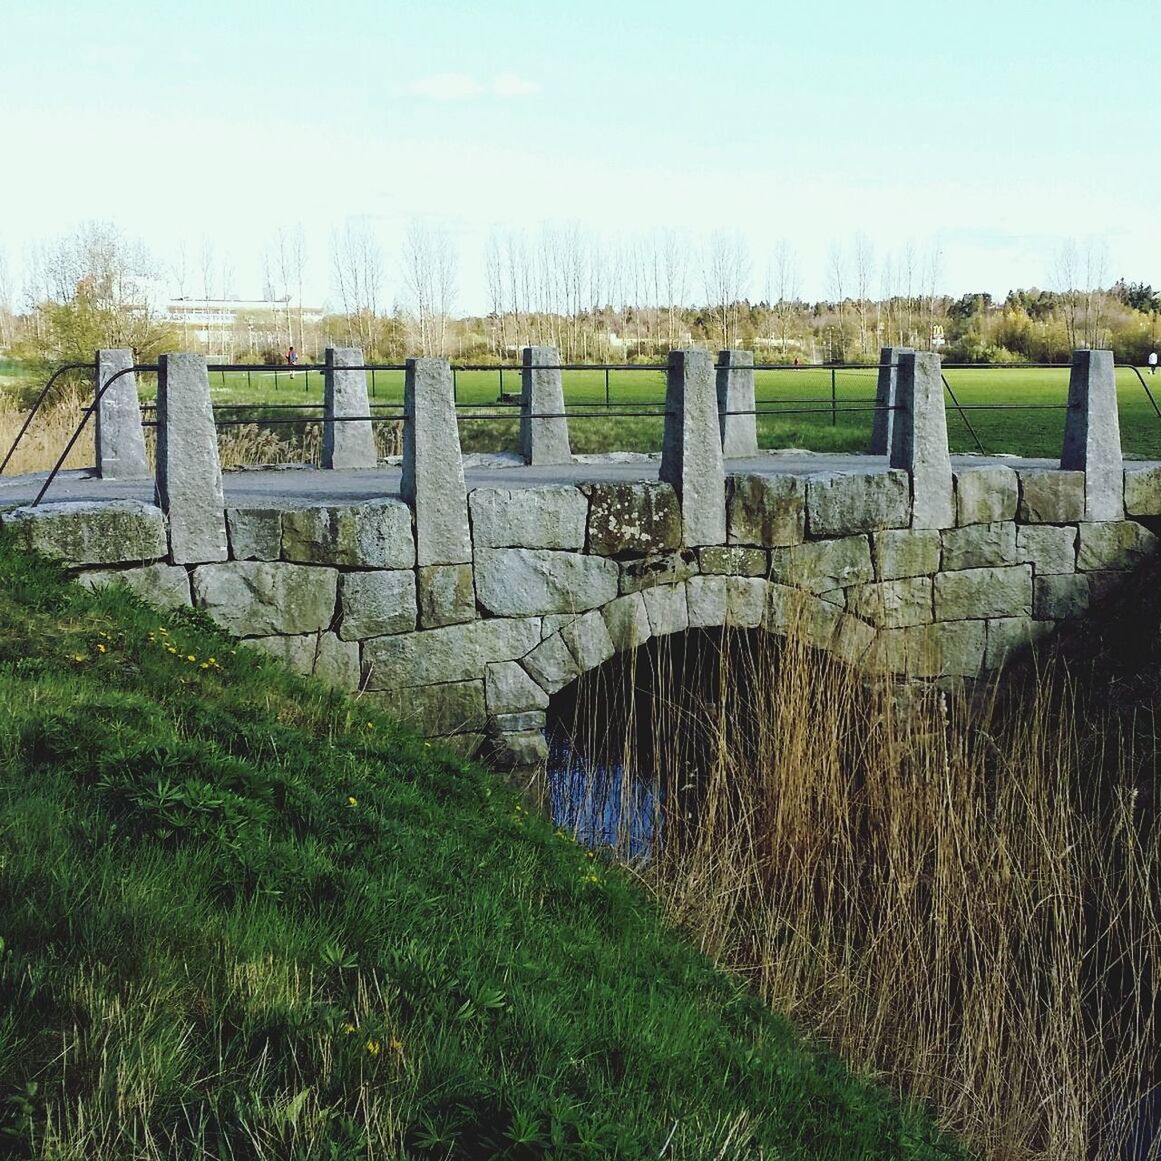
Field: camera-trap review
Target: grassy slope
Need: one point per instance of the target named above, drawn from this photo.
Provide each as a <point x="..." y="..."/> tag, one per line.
<point x="242" y="916"/>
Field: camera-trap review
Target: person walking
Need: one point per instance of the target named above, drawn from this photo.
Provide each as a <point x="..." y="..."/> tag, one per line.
<point x="1152" y="362"/>
<point x="292" y="360"/>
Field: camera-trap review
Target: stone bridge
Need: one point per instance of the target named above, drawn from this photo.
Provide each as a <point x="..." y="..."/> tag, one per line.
<point x="463" y="594"/>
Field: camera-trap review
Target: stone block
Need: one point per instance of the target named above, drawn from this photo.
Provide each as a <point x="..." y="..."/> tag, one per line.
<point x="515" y="582"/>
<point x="553" y="517"/>
<point x="1143" y="490"/>
<point x="736" y="418"/>
<point x="821" y="565"/>
<point x="980" y="546"/>
<point x="985" y="495"/>
<point x="793" y="613"/>
<point x="543" y="425"/>
<point x="91" y="532"/>
<point x="373" y="534"/>
<point x="893" y="604"/>
<point x="510" y="690"/>
<point x="1117" y="544"/>
<point x="260" y="598"/>
<point x="517" y="749"/>
<point x="919" y="439"/>
<point x="1060" y="597"/>
<point x="189" y="474"/>
<point x="746" y="599"/>
<point x="466" y="745"/>
<point x="519" y="723"/>
<point x="437" y="710"/>
<point x="320" y="655"/>
<point x="254" y="533"/>
<point x="627" y="621"/>
<point x="1092" y="434"/>
<point x="1048" y="548"/>
<point x="588" y="640"/>
<point x="706" y="601"/>
<point x="163" y="585"/>
<point x="433" y="469"/>
<point x="452" y="653"/>
<point x="447" y="595"/>
<point x="979" y="593"/>
<point x="845" y="503"/>
<point x="721" y="560"/>
<point x="883" y="419"/>
<point x="767" y="510"/>
<point x="907" y="552"/>
<point x="851" y="639"/>
<point x="672" y="568"/>
<point x="554" y="622"/>
<point x="954" y="649"/>
<point x="376" y="603"/>
<point x="551" y="664"/>
<point x="120" y="438"/>
<point x="1010" y="637"/>
<point x="638" y="519"/>
<point x="1050" y="497"/>
<point x="667" y="609"/>
<point x="691" y="453"/>
<point x="348" y="438"/>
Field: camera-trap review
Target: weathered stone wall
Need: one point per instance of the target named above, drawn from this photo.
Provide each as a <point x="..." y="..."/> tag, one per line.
<point x="562" y="577"/>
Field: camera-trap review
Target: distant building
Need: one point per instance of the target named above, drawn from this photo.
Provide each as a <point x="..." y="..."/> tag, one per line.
<point x="253" y="322"/>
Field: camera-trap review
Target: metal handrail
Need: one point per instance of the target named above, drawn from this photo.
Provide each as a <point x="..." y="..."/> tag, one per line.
<point x="39" y="400"/>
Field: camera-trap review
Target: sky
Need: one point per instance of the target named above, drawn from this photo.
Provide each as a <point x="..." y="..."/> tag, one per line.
<point x="986" y="135"/>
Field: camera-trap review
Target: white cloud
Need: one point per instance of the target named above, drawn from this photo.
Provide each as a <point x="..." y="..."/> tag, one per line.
<point x="447" y="87"/>
<point x="510" y="85"/>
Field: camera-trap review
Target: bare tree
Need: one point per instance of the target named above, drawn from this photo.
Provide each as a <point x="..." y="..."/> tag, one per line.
<point x="674" y="275"/>
<point x="1078" y="271"/>
<point x="358" y="270"/>
<point x="429" y="276"/>
<point x="727" y="270"/>
<point x="864" y="272"/>
<point x="494" y="269"/>
<point x="836" y="276"/>
<point x="782" y="288"/>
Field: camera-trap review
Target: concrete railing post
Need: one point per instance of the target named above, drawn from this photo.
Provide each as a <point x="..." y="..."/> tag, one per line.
<point x="542" y="440"/>
<point x="350" y="443"/>
<point x="884" y="416"/>
<point x="1092" y="434"/>
<point x="691" y="455"/>
<point x="919" y="439"/>
<point x="119" y="434"/>
<point x="736" y="394"/>
<point x="189" y="474"/>
<point x="433" y="469"/>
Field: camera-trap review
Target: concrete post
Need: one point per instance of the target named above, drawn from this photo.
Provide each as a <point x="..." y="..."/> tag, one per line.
<point x="346" y="444"/>
<point x="433" y="469"/>
<point x="691" y="455"/>
<point x="542" y="441"/>
<point x="919" y="439"/>
<point x="189" y="475"/>
<point x="885" y="399"/>
<point x="119" y="434"/>
<point x="736" y="393"/>
<point x="1092" y="434"/>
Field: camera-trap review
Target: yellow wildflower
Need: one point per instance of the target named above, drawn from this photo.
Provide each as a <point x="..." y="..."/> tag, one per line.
<point x="352" y="800"/>
<point x="373" y="1047"/>
<point x="190" y="657"/>
<point x="349" y="1029"/>
<point x="102" y="648"/>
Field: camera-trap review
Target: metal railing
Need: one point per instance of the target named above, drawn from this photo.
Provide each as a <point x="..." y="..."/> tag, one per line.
<point x="604" y="408"/>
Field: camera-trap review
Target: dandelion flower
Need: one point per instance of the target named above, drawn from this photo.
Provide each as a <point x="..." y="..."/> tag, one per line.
<point x="373" y="1047"/>
<point x="348" y="1029"/>
<point x="352" y="800"/>
<point x="102" y="648"/>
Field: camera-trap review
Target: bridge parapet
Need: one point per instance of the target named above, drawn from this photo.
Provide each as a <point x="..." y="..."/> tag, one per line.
<point x="466" y="609"/>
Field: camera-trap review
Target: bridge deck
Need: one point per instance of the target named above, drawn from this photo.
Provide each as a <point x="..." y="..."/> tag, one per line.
<point x="292" y="487"/>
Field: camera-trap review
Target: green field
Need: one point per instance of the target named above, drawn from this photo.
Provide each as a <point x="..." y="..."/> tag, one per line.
<point x="817" y="408"/>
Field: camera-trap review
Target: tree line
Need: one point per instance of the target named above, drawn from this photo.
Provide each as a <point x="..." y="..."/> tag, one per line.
<point x="565" y="287"/>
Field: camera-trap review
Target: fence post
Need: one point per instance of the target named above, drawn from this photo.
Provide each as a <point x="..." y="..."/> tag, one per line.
<point x="919" y="439"/>
<point x="120" y="438"/>
<point x="433" y="468"/>
<point x="833" y="400"/>
<point x="735" y="374"/>
<point x="1092" y="434"/>
<point x="691" y="455"/>
<point x="885" y="399"/>
<point x="542" y="441"/>
<point x="189" y="474"/>
<point x="348" y="443"/>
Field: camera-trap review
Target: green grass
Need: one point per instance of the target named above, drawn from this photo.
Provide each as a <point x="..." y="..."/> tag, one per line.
<point x="244" y="916"/>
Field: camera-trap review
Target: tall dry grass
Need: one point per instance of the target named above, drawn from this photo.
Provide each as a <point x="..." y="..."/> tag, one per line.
<point x="958" y="894"/>
<point x="246" y="445"/>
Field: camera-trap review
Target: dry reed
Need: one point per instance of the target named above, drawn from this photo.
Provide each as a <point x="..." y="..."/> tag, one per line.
<point x="959" y="898"/>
